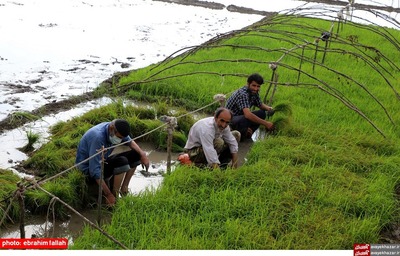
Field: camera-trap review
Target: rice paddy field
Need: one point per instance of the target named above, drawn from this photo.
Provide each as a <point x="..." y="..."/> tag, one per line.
<point x="327" y="178"/>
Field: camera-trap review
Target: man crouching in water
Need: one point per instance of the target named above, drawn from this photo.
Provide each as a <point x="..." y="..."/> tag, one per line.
<point x="211" y="143"/>
<point x="118" y="168"/>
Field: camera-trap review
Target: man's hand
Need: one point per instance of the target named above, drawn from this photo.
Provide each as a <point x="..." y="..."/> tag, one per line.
<point x="269" y="126"/>
<point x="270" y="112"/>
<point x="145" y="162"/>
<point x="110" y="199"/>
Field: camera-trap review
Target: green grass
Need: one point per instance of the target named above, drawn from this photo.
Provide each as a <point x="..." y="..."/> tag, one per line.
<point x="59" y="153"/>
<point x="32" y="139"/>
<point x="8" y="181"/>
<point x="325" y="180"/>
<point x="17" y="117"/>
<point x="193" y="79"/>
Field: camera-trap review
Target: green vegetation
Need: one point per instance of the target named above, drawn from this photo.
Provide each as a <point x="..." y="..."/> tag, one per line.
<point x="326" y="180"/>
<point x="8" y="181"/>
<point x="58" y="155"/>
<point x="32" y="139"/>
<point x="18" y="117"/>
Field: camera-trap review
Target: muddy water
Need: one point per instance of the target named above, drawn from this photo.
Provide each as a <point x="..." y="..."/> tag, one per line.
<point x="39" y="226"/>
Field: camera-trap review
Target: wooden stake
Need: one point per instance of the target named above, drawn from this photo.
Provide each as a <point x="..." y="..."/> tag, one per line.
<point x="315" y="54"/>
<point x="301" y="63"/>
<point x="170" y="131"/>
<point x="272" y="66"/>
<point x="20" y="197"/>
<point x="100" y="196"/>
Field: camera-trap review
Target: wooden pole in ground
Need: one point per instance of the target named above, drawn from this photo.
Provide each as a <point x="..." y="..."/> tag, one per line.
<point x="221" y="98"/>
<point x="170" y="131"/>
<point x="100" y="196"/>
<point x="275" y="83"/>
<point x="301" y="63"/>
<point x="315" y="54"/>
<point x="172" y="123"/>
<point x="273" y="67"/>
<point x="20" y="197"/>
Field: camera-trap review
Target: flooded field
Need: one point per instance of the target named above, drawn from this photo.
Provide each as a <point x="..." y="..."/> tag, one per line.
<point x="40" y="226"/>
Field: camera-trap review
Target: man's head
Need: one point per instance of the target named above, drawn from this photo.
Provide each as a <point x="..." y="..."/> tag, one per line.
<point x="222" y="117"/>
<point x="122" y="127"/>
<point x="254" y="82"/>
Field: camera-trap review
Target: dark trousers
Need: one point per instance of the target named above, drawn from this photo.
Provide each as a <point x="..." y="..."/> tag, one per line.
<point x="117" y="164"/>
<point x="240" y="123"/>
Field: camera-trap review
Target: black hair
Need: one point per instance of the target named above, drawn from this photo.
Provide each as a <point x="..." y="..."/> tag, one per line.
<point x="220" y="110"/>
<point x="255" y="77"/>
<point x="122" y="126"/>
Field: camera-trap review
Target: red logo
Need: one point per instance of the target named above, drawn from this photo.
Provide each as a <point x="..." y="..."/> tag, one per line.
<point x="362" y="250"/>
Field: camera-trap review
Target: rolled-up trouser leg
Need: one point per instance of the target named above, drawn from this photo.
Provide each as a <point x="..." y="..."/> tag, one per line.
<point x="219" y="145"/>
<point x="237" y="135"/>
<point x="225" y="155"/>
<point x="196" y="155"/>
<point x="120" y="164"/>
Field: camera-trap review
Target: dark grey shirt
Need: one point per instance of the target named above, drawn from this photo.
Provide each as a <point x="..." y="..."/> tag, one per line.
<point x="241" y="99"/>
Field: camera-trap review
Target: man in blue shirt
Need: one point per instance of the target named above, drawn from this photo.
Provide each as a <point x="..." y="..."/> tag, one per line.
<point x="244" y="120"/>
<point x="118" y="168"/>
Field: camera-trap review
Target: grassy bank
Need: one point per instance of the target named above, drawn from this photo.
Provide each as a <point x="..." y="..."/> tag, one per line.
<point x="58" y="155"/>
<point x="326" y="180"/>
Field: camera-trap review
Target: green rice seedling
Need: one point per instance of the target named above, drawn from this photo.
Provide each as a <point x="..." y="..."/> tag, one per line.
<point x="65" y="142"/>
<point x="57" y="127"/>
<point x="161" y="108"/>
<point x="284" y="108"/>
<point x="76" y="179"/>
<point x="185" y="122"/>
<point x="9" y="183"/>
<point x="18" y="117"/>
<point x="32" y="139"/>
<point x="178" y="141"/>
<point x="327" y="180"/>
<point x="50" y="160"/>
<point x="38" y="201"/>
<point x="281" y="123"/>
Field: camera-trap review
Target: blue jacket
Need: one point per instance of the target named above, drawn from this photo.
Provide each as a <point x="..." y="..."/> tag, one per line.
<point x="90" y="143"/>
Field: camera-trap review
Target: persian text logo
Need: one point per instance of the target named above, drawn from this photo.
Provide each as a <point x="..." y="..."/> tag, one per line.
<point x="362" y="250"/>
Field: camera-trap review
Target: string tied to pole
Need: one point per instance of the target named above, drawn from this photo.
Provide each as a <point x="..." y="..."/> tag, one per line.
<point x="273" y="66"/>
<point x="172" y="123"/>
<point x="221" y="98"/>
